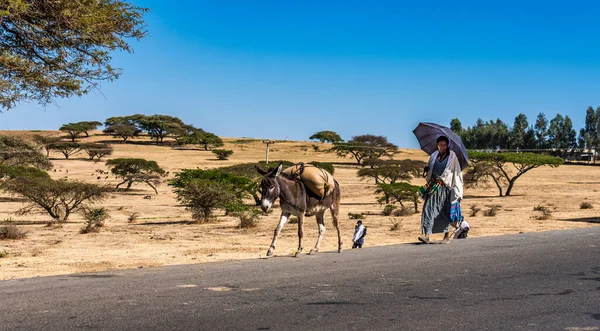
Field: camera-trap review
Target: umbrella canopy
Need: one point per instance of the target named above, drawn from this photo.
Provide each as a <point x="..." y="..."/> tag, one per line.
<point x="427" y="134"/>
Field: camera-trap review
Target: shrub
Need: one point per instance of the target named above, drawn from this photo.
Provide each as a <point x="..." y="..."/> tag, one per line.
<point x="202" y="196"/>
<point x="474" y="210"/>
<point x="133" y="217"/>
<point x="11" y="232"/>
<point x="293" y="220"/>
<point x="222" y="154"/>
<point x="355" y="216"/>
<point x="402" y="211"/>
<point x="94" y="219"/>
<point x="248" y="216"/>
<point x="396" y="225"/>
<point x="4" y="253"/>
<point x="59" y="198"/>
<point x="387" y="210"/>
<point x="492" y="211"/>
<point x="586" y="205"/>
<point x="315" y="148"/>
<point x="97" y="151"/>
<point x="546" y="212"/>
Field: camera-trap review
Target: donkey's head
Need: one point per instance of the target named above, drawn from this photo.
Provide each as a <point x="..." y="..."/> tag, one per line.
<point x="269" y="188"/>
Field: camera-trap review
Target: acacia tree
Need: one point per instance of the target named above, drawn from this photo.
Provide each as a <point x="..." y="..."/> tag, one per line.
<point x="62" y="48"/>
<point x="365" y="147"/>
<point x="399" y="192"/>
<point x="89" y="126"/>
<point x="16" y="152"/>
<point x="46" y="142"/>
<point x="59" y="198"/>
<point x="123" y="131"/>
<point x="327" y="136"/>
<point x="160" y="126"/>
<point x="136" y="171"/>
<point x="73" y="130"/>
<point x="67" y="148"/>
<point x="97" y="151"/>
<point x="506" y="168"/>
<point x="391" y="171"/>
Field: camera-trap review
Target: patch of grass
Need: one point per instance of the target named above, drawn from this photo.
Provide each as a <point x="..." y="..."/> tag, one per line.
<point x="94" y="219"/>
<point x="315" y="148"/>
<point x="474" y="210"/>
<point x="356" y="216"/>
<point x="586" y="205"/>
<point x="492" y="211"/>
<point x="4" y="253"/>
<point x="546" y="212"/>
<point x="244" y="141"/>
<point x="12" y="232"/>
<point x="293" y="220"/>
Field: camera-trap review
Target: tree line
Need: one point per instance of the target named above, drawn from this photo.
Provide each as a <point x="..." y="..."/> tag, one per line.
<point x="557" y="133"/>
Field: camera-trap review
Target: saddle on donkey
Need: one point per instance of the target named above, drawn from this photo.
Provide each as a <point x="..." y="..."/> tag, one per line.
<point x="317" y="180"/>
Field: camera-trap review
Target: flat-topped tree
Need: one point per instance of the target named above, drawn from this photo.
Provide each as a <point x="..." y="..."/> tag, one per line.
<point x="391" y="171"/>
<point x="18" y="153"/>
<point x="160" y="126"/>
<point x="123" y="131"/>
<point x="367" y="146"/>
<point x="66" y="148"/>
<point x="62" y="48"/>
<point x="326" y="136"/>
<point x="45" y="142"/>
<point x="135" y="170"/>
<point x="89" y="126"/>
<point x="73" y="130"/>
<point x="505" y="168"/>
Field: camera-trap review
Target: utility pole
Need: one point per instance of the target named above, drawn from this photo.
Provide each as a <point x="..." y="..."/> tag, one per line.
<point x="268" y="142"/>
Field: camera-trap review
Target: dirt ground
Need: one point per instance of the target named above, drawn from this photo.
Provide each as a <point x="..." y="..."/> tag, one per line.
<point x="163" y="234"/>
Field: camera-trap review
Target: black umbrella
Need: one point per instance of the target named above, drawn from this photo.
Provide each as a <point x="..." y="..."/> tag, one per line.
<point x="427" y="134"/>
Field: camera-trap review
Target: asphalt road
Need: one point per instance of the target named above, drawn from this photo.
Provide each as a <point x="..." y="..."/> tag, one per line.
<point x="538" y="281"/>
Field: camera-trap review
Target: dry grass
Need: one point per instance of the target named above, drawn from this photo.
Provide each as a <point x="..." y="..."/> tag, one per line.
<point x="586" y="205"/>
<point x="492" y="211"/>
<point x="11" y="232"/>
<point x="126" y="242"/>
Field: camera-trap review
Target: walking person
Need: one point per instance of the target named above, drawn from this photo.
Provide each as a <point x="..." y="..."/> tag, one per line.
<point x="360" y="231"/>
<point x="443" y="192"/>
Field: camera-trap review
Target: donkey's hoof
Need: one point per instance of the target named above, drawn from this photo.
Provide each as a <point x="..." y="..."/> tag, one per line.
<point x="313" y="251"/>
<point x="339" y="250"/>
<point x="269" y="252"/>
<point x="297" y="254"/>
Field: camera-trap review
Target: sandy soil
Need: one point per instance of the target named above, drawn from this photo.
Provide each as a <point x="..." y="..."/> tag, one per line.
<point x="164" y="235"/>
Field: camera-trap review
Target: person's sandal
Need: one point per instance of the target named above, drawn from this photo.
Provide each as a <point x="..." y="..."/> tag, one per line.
<point x="424" y="240"/>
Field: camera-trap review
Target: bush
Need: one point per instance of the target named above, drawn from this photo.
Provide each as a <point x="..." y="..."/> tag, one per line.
<point x="202" y="196"/>
<point x="4" y="253"/>
<point x="59" y="198"/>
<point x="222" y="154"/>
<point x="396" y="225"/>
<point x="94" y="219"/>
<point x="293" y="220"/>
<point x="356" y="216"/>
<point x="546" y="212"/>
<point x="387" y="210"/>
<point x="474" y="210"/>
<point x="248" y="216"/>
<point x="492" y="211"/>
<point x="136" y="171"/>
<point x="586" y="205"/>
<point x="11" y="232"/>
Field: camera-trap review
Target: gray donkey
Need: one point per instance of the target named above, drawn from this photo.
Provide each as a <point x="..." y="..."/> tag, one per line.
<point x="295" y="199"/>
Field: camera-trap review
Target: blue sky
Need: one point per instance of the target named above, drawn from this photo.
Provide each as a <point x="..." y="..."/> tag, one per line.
<point x="287" y="69"/>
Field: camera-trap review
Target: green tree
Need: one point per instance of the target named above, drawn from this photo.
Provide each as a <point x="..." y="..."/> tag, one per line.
<point x="326" y="136"/>
<point x="456" y="126"/>
<point x="508" y="167"/>
<point x="59" y="198"/>
<point x="541" y="131"/>
<point x="365" y="147"/>
<point x="136" y="171"/>
<point x="391" y="171"/>
<point x="123" y="131"/>
<point x="160" y="126"/>
<point x="73" y="130"/>
<point x="561" y="133"/>
<point x="18" y="153"/>
<point x="46" y="142"/>
<point x="222" y="154"/>
<point x="66" y="148"/>
<point x="89" y="126"/>
<point x="202" y="196"/>
<point x="518" y="132"/>
<point x="98" y="151"/>
<point x="62" y="48"/>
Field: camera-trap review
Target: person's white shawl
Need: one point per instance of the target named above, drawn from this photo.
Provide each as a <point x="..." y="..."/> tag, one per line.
<point x="452" y="175"/>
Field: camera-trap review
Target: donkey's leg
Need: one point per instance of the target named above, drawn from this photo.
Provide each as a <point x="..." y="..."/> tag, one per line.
<point x="321" y="225"/>
<point x="300" y="233"/>
<point x="334" y="214"/>
<point x="282" y="221"/>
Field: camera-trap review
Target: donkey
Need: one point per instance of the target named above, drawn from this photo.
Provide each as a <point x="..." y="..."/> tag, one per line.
<point x="295" y="199"/>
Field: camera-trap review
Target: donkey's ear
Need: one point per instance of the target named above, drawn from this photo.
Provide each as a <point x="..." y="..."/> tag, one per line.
<point x="279" y="169"/>
<point x="260" y="171"/>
